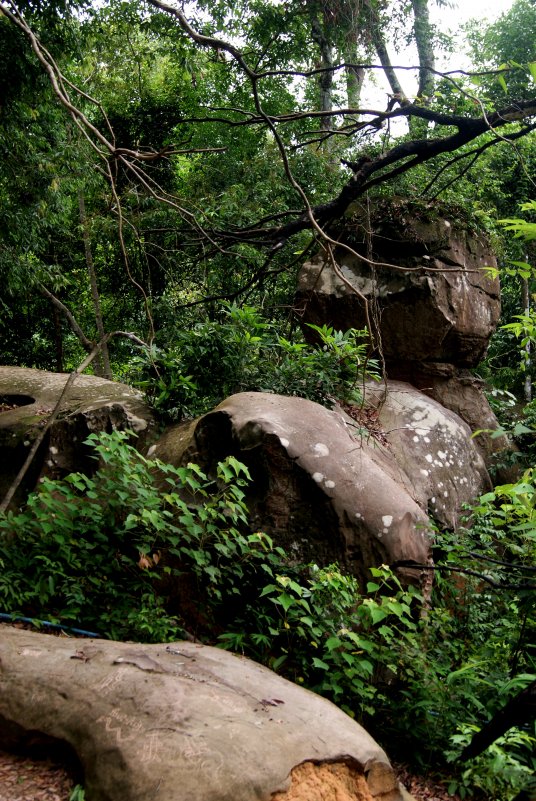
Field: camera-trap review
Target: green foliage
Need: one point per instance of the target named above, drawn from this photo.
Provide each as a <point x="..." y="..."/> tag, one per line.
<point x="244" y="352"/>
<point x="506" y="45"/>
<point x="509" y="362"/>
<point x="144" y="550"/>
<point x="497" y="773"/>
<point x="316" y="627"/>
<point x="91" y="550"/>
<point x="78" y="793"/>
<point x="523" y="229"/>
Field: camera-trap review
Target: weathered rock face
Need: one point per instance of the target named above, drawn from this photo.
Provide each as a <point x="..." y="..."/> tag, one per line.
<point x="184" y="721"/>
<point x="433" y="448"/>
<point x="324" y="488"/>
<point x="91" y="405"/>
<point x="433" y="311"/>
<point x="439" y="305"/>
<point x="462" y="392"/>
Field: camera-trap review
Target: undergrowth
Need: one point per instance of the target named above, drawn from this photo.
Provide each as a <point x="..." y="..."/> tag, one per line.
<point x="146" y="551"/>
<point x="241" y="351"/>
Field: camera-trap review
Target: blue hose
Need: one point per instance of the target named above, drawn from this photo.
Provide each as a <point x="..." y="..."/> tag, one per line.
<point x="46" y="624"/>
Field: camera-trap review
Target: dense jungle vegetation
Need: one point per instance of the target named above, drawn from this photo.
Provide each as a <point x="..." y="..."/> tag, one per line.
<point x="164" y="172"/>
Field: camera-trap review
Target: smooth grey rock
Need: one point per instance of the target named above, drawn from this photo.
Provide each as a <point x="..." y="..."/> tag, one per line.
<point x="91" y="405"/>
<point x="182" y="722"/>
<point x="325" y="488"/>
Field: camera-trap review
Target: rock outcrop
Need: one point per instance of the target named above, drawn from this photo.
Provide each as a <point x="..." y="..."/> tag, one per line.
<point x="432" y="302"/>
<point x="92" y="404"/>
<point x="184" y="721"/>
<point x="432" y="446"/>
<point x="325" y="488"/>
<point x="436" y="300"/>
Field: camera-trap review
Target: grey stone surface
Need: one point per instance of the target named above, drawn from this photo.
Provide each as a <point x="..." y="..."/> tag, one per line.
<point x="182" y="722"/>
<point x="325" y="488"/>
<point x="91" y="405"/>
<point x="433" y="447"/>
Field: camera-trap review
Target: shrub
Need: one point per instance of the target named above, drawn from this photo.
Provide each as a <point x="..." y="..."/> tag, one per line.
<point x="242" y="352"/>
<point x="90" y="550"/>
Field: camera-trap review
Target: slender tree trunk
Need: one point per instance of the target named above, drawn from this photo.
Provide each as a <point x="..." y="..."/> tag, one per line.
<point x="526" y="306"/>
<point x="378" y="42"/>
<point x="425" y="48"/>
<point x="58" y="339"/>
<point x="102" y="365"/>
<point x="325" y="81"/>
<point x="354" y="76"/>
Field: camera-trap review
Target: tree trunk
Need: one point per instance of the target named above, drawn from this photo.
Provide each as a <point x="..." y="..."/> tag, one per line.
<point x="325" y="81"/>
<point x="102" y="363"/>
<point x="58" y="339"/>
<point x="527" y="360"/>
<point x="378" y="42"/>
<point x="354" y="76"/>
<point x="425" y="48"/>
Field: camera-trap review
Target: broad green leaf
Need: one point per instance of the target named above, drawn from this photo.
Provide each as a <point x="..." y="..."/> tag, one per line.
<point x="320" y="664"/>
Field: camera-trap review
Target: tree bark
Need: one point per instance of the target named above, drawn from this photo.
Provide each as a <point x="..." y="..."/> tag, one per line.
<point x="425" y="48"/>
<point x="102" y="365"/>
<point x="527" y="361"/>
<point x="519" y="710"/>
<point x="354" y="76"/>
<point x="325" y="81"/>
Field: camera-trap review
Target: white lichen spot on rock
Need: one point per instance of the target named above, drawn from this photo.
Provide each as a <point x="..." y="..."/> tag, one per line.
<point x="424" y="472"/>
<point x="429" y="458"/>
<point x="319" y="449"/>
<point x="318" y="477"/>
<point x="419" y="414"/>
<point x="442" y="455"/>
<point x="53" y="450"/>
<point x="284" y="442"/>
<point x="387" y="520"/>
<point x="330" y="484"/>
<point x="415" y="439"/>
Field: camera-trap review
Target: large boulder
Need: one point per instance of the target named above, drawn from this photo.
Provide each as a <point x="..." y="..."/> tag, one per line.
<point x="430" y="302"/>
<point x="328" y="489"/>
<point x="28" y="397"/>
<point x="184" y="721"/>
<point x="459" y="390"/>
<point x="433" y="447"/>
<point x="437" y="302"/>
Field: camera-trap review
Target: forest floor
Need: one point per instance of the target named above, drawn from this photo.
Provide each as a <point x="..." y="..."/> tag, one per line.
<point x="24" y="779"/>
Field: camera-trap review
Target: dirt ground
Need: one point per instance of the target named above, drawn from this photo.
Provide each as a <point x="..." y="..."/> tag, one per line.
<point x="23" y="779"/>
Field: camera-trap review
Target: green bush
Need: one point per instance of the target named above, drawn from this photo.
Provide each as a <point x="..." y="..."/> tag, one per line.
<point x="320" y="630"/>
<point x="132" y="549"/>
<point x="91" y="551"/>
<point x="243" y="352"/>
<point x="498" y="773"/>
